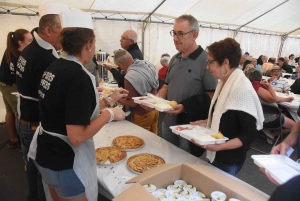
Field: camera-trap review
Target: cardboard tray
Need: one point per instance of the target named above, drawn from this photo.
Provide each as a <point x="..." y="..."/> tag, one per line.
<point x="277" y="166"/>
<point x="205" y="178"/>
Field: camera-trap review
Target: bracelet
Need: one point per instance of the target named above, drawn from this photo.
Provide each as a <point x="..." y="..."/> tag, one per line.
<point x="112" y="116"/>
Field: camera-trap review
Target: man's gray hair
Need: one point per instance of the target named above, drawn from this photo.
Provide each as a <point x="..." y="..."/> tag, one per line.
<point x="164" y="61"/>
<point x="49" y="20"/>
<point x="133" y="36"/>
<point x="192" y="21"/>
<point x="122" y="56"/>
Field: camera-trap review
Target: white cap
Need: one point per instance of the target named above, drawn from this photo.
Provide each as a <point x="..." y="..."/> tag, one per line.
<point x="52" y="8"/>
<point x="76" y="18"/>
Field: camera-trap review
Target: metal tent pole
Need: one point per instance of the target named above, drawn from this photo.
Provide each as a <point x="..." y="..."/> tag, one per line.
<point x="145" y="23"/>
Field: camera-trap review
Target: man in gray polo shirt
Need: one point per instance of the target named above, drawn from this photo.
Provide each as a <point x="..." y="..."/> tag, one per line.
<point x="187" y="75"/>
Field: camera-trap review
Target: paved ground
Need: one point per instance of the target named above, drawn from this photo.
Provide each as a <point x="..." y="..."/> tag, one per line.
<point x="13" y="179"/>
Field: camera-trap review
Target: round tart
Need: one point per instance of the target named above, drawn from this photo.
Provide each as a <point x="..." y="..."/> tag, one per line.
<point x="138" y="163"/>
<point x="111" y="154"/>
<point x="128" y="142"/>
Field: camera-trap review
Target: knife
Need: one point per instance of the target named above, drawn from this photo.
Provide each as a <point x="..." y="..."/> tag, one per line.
<point x="127" y="113"/>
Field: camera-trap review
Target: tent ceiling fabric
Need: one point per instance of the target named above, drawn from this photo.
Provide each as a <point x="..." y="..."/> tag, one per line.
<point x="229" y="14"/>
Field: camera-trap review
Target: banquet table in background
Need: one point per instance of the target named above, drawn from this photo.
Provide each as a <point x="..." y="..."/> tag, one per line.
<point x="293" y="106"/>
<point x="112" y="179"/>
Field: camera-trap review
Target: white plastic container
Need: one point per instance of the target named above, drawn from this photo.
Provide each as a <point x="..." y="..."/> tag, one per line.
<point x="138" y="100"/>
<point x="278" y="166"/>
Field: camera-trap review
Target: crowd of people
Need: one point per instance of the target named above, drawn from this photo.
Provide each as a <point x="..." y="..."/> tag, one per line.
<point x="58" y="104"/>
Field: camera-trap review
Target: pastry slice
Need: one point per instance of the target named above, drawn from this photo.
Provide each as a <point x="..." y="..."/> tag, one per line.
<point x="102" y="155"/>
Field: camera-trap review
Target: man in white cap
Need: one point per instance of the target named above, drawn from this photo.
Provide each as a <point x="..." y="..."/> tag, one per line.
<point x="32" y="62"/>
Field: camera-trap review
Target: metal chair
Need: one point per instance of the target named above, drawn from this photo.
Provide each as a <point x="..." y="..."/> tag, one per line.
<point x="269" y="109"/>
<point x="277" y="111"/>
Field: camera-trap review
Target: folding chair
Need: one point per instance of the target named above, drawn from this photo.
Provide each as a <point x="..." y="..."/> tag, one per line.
<point x="277" y="111"/>
<point x="269" y="109"/>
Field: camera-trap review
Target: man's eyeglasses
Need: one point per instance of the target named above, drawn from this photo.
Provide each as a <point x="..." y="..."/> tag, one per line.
<point x="209" y="62"/>
<point x="123" y="38"/>
<point x="179" y="34"/>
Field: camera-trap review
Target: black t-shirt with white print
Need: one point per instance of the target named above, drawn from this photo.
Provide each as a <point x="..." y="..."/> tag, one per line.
<point x="66" y="97"/>
<point x="8" y="71"/>
<point x="31" y="65"/>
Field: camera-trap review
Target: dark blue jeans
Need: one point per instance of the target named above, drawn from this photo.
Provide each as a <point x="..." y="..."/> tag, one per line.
<point x="34" y="178"/>
<point x="230" y="169"/>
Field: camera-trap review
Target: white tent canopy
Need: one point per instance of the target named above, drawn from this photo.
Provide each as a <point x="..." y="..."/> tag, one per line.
<point x="260" y="26"/>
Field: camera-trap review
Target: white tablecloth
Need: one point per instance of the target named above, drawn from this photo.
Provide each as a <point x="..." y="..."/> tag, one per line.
<point x="293" y="106"/>
<point x="113" y="178"/>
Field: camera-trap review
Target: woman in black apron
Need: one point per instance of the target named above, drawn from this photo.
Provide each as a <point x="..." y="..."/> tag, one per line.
<point x="63" y="147"/>
<point x="16" y="42"/>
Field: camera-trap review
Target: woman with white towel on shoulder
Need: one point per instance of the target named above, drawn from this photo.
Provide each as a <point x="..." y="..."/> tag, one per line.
<point x="235" y="109"/>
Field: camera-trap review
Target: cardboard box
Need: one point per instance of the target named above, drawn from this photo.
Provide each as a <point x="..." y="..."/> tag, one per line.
<point x="204" y="177"/>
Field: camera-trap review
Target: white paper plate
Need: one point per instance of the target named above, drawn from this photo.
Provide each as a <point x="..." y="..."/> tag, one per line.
<point x="137" y="99"/>
<point x="201" y="138"/>
<point x="148" y="103"/>
<point x="163" y="107"/>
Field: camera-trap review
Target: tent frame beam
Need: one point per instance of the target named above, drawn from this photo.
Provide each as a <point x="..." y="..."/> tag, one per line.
<point x="291" y="32"/>
<point x="238" y="29"/>
<point x="145" y="24"/>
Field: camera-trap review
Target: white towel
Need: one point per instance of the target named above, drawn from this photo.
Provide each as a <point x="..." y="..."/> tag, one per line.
<point x="237" y="94"/>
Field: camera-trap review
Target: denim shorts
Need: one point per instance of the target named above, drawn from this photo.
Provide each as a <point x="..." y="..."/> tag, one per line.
<point x="65" y="182"/>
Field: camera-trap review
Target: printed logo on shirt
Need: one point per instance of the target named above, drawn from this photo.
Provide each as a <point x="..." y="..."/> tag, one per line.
<point x="12" y="68"/>
<point x="21" y="63"/>
<point x="46" y="80"/>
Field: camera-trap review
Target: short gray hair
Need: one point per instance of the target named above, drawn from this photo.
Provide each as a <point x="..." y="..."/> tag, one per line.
<point x="164" y="61"/>
<point x="121" y="56"/>
<point x="133" y="36"/>
<point x="49" y="20"/>
<point x="192" y="21"/>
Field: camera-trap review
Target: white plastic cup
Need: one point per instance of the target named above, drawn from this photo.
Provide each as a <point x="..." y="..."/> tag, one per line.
<point x="218" y="196"/>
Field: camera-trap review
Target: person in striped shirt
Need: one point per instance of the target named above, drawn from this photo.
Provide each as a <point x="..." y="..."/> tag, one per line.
<point x="278" y="83"/>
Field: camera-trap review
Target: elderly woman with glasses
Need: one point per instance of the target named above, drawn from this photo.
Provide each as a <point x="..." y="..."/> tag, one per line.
<point x="235" y="110"/>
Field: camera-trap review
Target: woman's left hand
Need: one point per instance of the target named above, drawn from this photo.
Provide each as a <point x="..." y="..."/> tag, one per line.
<point x="177" y="109"/>
<point x="210" y="147"/>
